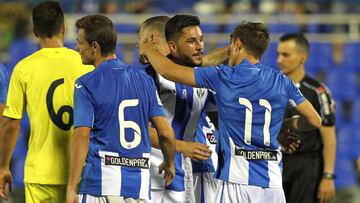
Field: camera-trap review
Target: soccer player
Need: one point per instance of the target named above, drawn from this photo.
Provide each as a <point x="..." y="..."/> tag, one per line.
<point x="3" y="90"/>
<point x="112" y="107"/>
<point x="205" y="185"/>
<point x="183" y="104"/>
<point x="42" y="84"/>
<point x="251" y="100"/>
<point x="313" y="163"/>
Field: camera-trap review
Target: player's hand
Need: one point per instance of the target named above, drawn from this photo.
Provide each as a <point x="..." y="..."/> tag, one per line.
<point x="5" y="181"/>
<point x="326" y="190"/>
<point x="289" y="141"/>
<point x="168" y="172"/>
<point x="71" y="197"/>
<point x="195" y="150"/>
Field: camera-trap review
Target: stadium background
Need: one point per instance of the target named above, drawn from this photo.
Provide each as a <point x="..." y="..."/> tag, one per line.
<point x="332" y="26"/>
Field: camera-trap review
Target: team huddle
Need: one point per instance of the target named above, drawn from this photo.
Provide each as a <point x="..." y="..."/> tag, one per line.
<point x="190" y="128"/>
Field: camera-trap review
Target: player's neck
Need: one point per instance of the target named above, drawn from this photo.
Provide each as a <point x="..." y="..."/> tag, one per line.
<point x="252" y="59"/>
<point x="297" y="75"/>
<point x="102" y="59"/>
<point x="53" y="42"/>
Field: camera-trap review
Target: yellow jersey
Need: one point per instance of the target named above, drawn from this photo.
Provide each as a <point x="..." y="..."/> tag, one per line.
<point x="43" y="83"/>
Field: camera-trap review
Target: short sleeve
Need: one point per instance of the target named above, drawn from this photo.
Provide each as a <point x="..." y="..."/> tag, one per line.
<point x="3" y="84"/>
<point x="156" y="106"/>
<point x="207" y="77"/>
<point x="83" y="106"/>
<point x="15" y="101"/>
<point x="295" y="96"/>
<point x="326" y="105"/>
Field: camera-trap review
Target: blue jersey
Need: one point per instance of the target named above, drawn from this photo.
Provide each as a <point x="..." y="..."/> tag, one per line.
<point x="206" y="134"/>
<point x="116" y="102"/>
<point x="183" y="105"/>
<point x="4" y="82"/>
<point x="251" y="101"/>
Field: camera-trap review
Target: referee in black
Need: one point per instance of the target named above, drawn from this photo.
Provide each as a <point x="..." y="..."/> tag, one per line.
<point x="308" y="174"/>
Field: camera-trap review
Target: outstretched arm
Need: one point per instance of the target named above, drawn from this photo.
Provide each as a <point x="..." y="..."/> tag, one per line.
<point x="166" y="68"/>
<point x="310" y="114"/>
<point x="216" y="57"/>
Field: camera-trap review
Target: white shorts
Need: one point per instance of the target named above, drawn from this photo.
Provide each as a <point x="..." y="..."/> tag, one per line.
<point x="107" y="199"/>
<point x="232" y="192"/>
<point x="166" y="196"/>
<point x="205" y="187"/>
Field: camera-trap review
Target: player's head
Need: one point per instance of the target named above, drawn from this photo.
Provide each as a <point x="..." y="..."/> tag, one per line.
<point x="153" y="30"/>
<point x="185" y="39"/>
<point x="293" y="51"/>
<point x="96" y="38"/>
<point x="48" y="20"/>
<point x="248" y="39"/>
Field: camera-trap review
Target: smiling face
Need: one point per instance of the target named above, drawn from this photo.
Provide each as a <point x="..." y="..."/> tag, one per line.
<point x="189" y="46"/>
<point x="84" y="48"/>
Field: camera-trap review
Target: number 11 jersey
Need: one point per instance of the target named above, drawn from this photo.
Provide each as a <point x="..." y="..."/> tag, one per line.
<point x="251" y="102"/>
<point x="42" y="84"/>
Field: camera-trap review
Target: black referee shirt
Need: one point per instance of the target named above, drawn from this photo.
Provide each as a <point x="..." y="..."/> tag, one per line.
<point x="320" y="97"/>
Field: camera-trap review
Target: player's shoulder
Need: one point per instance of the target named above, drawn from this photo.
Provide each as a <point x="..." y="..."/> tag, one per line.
<point x="314" y="85"/>
<point x="141" y="75"/>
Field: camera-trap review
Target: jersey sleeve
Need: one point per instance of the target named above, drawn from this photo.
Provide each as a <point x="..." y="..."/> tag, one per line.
<point x="326" y="106"/>
<point x="15" y="101"/>
<point x="3" y="84"/>
<point x="207" y="77"/>
<point x="295" y="96"/>
<point x="156" y="106"/>
<point x="83" y="106"/>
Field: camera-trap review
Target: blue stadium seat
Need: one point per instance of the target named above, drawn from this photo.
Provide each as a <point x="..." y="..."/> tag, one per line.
<point x="320" y="57"/>
<point x="283" y="27"/>
<point x="126" y="28"/>
<point x="20" y="49"/>
<point x="355" y="112"/>
<point x="270" y="56"/>
<point x="119" y="51"/>
<point x="351" y="55"/>
<point x="70" y="44"/>
<point x="345" y="172"/>
<point x="343" y="84"/>
<point x="210" y="27"/>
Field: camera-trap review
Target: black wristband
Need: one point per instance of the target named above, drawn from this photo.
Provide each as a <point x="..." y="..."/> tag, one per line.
<point x="329" y="176"/>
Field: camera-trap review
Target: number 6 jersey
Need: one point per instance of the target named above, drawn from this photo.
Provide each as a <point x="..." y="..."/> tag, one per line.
<point x="116" y="102"/>
<point x="251" y="101"/>
<point x="42" y="83"/>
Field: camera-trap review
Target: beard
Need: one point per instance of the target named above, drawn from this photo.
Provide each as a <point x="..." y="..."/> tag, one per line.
<point x="187" y="60"/>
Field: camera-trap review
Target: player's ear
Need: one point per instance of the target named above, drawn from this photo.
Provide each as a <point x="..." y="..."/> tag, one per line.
<point x="95" y="47"/>
<point x="172" y="46"/>
<point x="238" y="43"/>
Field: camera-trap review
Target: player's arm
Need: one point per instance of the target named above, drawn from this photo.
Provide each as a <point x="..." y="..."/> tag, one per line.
<point x="8" y="135"/>
<point x="2" y="107"/>
<point x="216" y="57"/>
<point x="297" y="123"/>
<point x="79" y="147"/>
<point x="168" y="69"/>
<point x="166" y="139"/>
<point x="309" y="113"/>
<point x="194" y="150"/>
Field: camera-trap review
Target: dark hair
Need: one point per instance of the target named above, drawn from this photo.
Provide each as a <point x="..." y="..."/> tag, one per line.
<point x="300" y="40"/>
<point x="100" y="29"/>
<point x="48" y="19"/>
<point x="175" y="25"/>
<point x="254" y="36"/>
<point x="157" y="24"/>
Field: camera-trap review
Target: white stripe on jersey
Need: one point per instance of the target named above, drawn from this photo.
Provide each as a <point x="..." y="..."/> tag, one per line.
<point x="197" y="106"/>
<point x="275" y="171"/>
<point x="239" y="167"/>
<point x="110" y="176"/>
<point x="168" y="100"/>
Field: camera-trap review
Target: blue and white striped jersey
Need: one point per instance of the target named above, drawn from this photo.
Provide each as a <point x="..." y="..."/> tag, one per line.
<point x="206" y="134"/>
<point x="183" y="105"/>
<point x="251" y="101"/>
<point x="116" y="102"/>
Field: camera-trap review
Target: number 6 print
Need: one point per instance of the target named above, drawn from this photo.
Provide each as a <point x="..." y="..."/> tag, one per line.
<point x="128" y="124"/>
